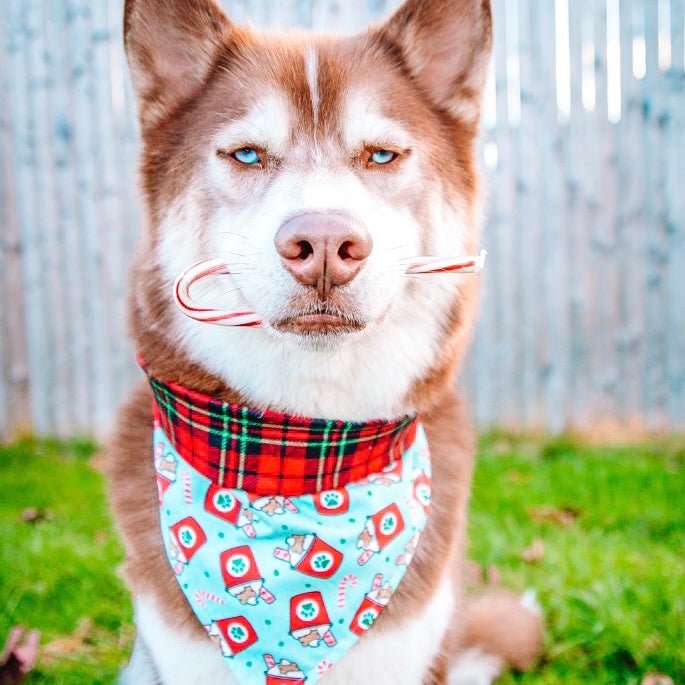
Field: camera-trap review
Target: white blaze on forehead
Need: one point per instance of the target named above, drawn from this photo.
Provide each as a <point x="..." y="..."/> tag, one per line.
<point x="364" y="123"/>
<point x="266" y="124"/>
<point x="312" y="71"/>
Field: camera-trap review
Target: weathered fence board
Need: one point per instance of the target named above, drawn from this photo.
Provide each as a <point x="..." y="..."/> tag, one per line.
<point x="583" y="316"/>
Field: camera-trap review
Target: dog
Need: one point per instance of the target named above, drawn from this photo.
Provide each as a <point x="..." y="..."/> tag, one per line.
<point x="317" y="166"/>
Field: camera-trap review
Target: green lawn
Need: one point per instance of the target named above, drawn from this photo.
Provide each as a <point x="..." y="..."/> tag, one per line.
<point x="611" y="579"/>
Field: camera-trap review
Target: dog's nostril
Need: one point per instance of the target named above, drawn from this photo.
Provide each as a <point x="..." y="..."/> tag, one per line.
<point x="344" y="250"/>
<point x="306" y="249"/>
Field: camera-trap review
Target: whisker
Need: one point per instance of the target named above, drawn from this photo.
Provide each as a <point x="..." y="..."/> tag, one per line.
<point x="223" y="294"/>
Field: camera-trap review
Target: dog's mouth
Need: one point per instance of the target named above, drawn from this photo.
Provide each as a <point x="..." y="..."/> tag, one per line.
<point x="319" y="320"/>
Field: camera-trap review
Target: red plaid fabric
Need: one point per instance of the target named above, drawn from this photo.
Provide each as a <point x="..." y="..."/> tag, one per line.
<point x="271" y="453"/>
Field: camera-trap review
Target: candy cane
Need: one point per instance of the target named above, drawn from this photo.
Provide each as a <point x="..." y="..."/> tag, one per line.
<point x="282" y="554"/>
<point x="364" y="556"/>
<point x="202" y="596"/>
<point x="269" y="661"/>
<point x="351" y="580"/>
<point x="247" y="318"/>
<point x="196" y="273"/>
<point x="187" y="494"/>
<point x="377" y="581"/>
<point x="439" y="265"/>
<point x="323" y="667"/>
<point x="290" y="506"/>
<point x="266" y="595"/>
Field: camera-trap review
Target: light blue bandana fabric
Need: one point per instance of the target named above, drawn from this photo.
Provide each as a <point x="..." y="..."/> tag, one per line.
<point x="286" y="585"/>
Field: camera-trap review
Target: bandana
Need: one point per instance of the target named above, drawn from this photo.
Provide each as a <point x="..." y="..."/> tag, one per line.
<point x="287" y="536"/>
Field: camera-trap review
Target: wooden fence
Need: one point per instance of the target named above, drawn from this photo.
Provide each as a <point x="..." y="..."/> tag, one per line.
<point x="583" y="320"/>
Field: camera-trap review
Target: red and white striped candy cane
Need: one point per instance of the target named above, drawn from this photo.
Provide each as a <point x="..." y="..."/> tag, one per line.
<point x="442" y="265"/>
<point x="187" y="493"/>
<point x="218" y="267"/>
<point x="290" y="506"/>
<point x="349" y="580"/>
<point x="198" y="272"/>
<point x="203" y="596"/>
<point x="365" y="556"/>
<point x="269" y="661"/>
<point x="266" y="595"/>
<point x="323" y="667"/>
<point x="282" y="554"/>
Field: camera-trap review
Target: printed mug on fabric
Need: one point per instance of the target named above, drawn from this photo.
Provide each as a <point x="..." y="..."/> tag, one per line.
<point x="286" y="584"/>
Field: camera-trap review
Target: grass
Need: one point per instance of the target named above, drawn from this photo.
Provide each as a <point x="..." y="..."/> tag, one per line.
<point x="611" y="579"/>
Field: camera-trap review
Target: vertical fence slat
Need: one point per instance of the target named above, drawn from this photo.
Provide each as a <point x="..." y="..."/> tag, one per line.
<point x="502" y="215"/>
<point x="631" y="224"/>
<point x="554" y="335"/>
<point x="529" y="218"/>
<point x="674" y="135"/>
<point x="14" y="393"/>
<point x="574" y="151"/>
<point x="655" y="246"/>
<point x="21" y="122"/>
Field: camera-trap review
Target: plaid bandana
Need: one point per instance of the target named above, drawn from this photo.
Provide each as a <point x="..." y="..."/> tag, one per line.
<point x="268" y="453"/>
<point x="286" y="585"/>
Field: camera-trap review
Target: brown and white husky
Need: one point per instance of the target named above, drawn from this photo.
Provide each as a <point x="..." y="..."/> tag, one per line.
<point x="317" y="166"/>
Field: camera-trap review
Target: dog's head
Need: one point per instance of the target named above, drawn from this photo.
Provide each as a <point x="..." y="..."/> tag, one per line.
<point x="316" y="166"/>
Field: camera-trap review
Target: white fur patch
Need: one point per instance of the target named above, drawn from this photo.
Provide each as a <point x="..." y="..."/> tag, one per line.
<point x="312" y="70"/>
<point x="399" y="656"/>
<point x="266" y="125"/>
<point x="365" y="124"/>
<point x="475" y="667"/>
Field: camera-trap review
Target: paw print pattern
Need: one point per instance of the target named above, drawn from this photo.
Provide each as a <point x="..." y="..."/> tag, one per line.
<point x="332" y="502"/>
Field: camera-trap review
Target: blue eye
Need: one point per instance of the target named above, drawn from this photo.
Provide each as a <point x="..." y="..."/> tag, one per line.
<point x="247" y="155"/>
<point x="383" y="157"/>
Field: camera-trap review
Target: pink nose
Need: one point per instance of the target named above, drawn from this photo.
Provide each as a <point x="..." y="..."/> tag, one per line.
<point x="323" y="249"/>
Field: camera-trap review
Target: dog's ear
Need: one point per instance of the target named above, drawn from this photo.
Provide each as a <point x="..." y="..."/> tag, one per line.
<point x="171" y="46"/>
<point x="446" y="45"/>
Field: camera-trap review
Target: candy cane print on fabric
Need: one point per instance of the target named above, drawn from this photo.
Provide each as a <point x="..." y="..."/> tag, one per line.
<point x="203" y="596"/>
<point x="349" y="580"/>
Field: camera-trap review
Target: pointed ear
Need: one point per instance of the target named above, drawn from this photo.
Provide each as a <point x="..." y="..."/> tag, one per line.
<point x="171" y="46"/>
<point x="446" y="46"/>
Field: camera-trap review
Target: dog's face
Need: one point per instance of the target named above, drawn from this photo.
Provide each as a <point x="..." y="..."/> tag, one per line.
<point x="316" y="168"/>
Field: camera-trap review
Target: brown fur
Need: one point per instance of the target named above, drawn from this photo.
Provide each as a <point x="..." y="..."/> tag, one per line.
<point x="214" y="83"/>
<point x="498" y="624"/>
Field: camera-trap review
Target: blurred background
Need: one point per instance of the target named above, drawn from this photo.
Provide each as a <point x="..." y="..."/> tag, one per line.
<point x="580" y="343"/>
<point x="583" y="321"/>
